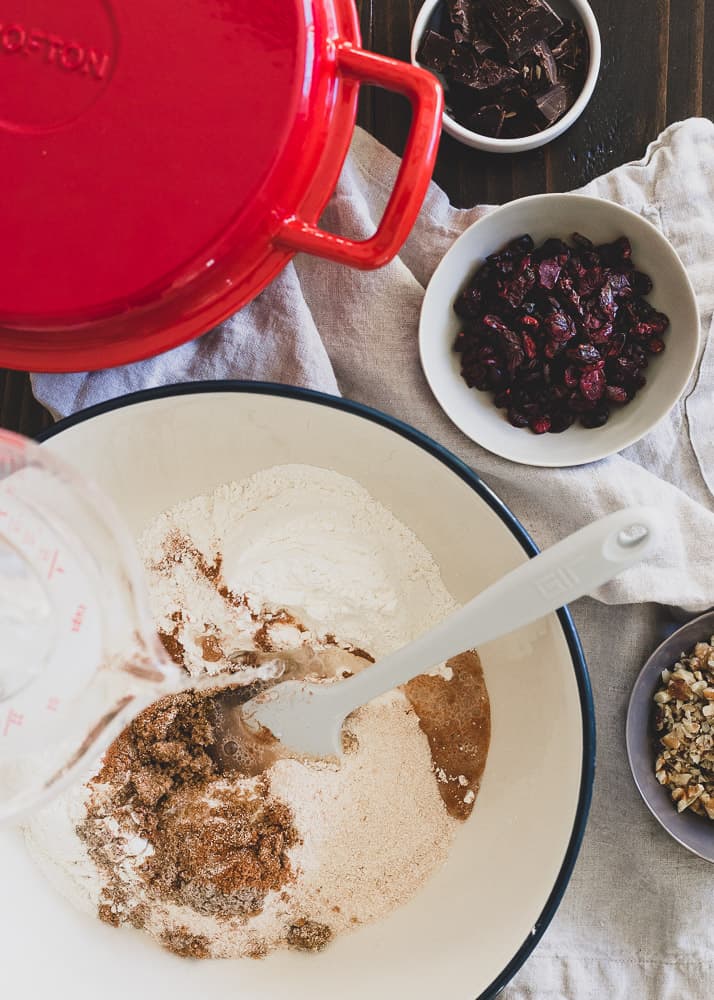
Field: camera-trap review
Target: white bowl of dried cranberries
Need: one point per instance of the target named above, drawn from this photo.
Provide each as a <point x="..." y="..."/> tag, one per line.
<point x="559" y="329"/>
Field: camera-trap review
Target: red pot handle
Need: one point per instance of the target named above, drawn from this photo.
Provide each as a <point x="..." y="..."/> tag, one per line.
<point x="427" y="99"/>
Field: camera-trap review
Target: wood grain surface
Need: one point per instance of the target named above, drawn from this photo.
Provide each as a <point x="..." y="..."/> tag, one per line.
<point x="657" y="68"/>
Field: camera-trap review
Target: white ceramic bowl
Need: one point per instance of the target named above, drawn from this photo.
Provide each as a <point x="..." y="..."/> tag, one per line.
<point x="579" y="10"/>
<point x="559" y="215"/>
<point x="469" y="929"/>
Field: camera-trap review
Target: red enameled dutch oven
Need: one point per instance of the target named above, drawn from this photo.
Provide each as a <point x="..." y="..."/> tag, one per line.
<point x="161" y="163"/>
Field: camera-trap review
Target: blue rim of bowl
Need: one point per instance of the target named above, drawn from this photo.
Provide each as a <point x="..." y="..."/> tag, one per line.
<point x="473" y="480"/>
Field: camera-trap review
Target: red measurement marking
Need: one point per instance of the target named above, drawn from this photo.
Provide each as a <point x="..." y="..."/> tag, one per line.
<point x="13" y="719"/>
<point x="53" y="704"/>
<point x="78" y="618"/>
<point x="4" y="513"/>
<point x="54" y="565"/>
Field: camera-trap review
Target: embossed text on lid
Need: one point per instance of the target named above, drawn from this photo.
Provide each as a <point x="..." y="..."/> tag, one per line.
<point x="55" y="60"/>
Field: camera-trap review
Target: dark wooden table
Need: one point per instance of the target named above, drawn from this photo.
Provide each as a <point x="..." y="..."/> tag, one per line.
<point x="657" y="68"/>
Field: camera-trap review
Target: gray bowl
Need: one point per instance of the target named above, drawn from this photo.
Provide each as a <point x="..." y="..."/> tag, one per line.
<point x="696" y="833"/>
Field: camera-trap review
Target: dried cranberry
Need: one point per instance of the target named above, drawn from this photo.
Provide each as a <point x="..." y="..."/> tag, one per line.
<point x="582" y="241"/>
<point x="554" y="248"/>
<point x="596" y="418"/>
<point x="592" y="385"/>
<point x="540" y="425"/>
<point x="602" y="335"/>
<point x="529" y="346"/>
<point x="641" y="283"/>
<point x="616" y="394"/>
<point x="561" y="421"/>
<point x="571" y="377"/>
<point x="468" y="304"/>
<point x="517" y="418"/>
<point x="497" y="377"/>
<point x="617" y="345"/>
<point x="494" y="323"/>
<point x="584" y="353"/>
<point x="548" y="273"/>
<point x="558" y="333"/>
<point x="559" y="327"/>
<point x="620" y="285"/>
<point x="515" y="289"/>
<point x="590" y="281"/>
<point x="522" y="244"/>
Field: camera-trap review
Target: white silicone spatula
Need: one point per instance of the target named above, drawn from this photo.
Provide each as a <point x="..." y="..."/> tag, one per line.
<point x="308" y="717"/>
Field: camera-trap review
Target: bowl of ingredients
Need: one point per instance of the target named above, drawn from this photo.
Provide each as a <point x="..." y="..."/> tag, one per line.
<point x="516" y="73"/>
<point x="435" y="854"/>
<point x="670" y="735"/>
<point x="559" y="329"/>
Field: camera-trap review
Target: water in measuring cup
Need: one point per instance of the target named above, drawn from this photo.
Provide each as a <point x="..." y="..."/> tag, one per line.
<point x="78" y="655"/>
<point x="27" y="625"/>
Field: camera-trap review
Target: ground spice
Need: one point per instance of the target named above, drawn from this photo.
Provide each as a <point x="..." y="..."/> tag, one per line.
<point x="455" y="715"/>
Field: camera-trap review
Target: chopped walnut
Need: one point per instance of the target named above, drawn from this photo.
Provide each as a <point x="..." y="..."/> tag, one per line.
<point x="684" y="721"/>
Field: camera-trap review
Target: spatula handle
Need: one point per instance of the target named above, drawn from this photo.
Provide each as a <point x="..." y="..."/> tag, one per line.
<point x="569" y="569"/>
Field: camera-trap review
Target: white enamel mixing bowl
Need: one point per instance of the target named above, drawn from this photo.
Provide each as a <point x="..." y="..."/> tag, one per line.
<point x="470" y="928"/>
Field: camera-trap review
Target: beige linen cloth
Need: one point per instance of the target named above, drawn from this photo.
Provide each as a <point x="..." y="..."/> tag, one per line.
<point x="637" y="920"/>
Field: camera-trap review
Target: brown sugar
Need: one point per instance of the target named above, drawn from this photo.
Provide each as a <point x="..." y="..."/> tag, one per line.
<point x="217" y="847"/>
<point x="182" y="942"/>
<point x="308" y="935"/>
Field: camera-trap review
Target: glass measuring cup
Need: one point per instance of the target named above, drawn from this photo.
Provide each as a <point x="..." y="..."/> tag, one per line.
<point x="79" y="656"/>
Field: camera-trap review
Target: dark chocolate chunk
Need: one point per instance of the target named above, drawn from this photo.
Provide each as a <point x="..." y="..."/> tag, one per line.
<point x="521" y="24"/>
<point x="483" y="46"/>
<point x="570" y="50"/>
<point x="488" y="121"/>
<point x="546" y="60"/>
<point x="553" y="104"/>
<point x="435" y="51"/>
<point x="493" y="76"/>
<point x="463" y="17"/>
<point x="538" y="69"/>
<point x="464" y="65"/>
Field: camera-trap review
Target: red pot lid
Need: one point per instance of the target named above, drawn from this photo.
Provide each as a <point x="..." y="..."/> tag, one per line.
<point x="151" y="157"/>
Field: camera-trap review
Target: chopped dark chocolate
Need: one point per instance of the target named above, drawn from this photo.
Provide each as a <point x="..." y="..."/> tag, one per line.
<point x="553" y="104"/>
<point x="493" y="76"/>
<point x="464" y="65"/>
<point x="435" y="51"/>
<point x="570" y="50"/>
<point x="538" y="69"/>
<point x="520" y="24"/>
<point x="463" y="17"/>
<point x="545" y="60"/>
<point x="490" y="90"/>
<point x="482" y="46"/>
<point x="488" y="120"/>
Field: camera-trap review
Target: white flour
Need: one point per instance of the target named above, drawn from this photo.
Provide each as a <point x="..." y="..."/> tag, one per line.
<point x="315" y="544"/>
